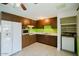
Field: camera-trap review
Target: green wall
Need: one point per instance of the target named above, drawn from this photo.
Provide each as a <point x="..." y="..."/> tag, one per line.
<point x="78" y="33"/>
<point x="47" y="29"/>
<point x="78" y="46"/>
<point x="35" y="30"/>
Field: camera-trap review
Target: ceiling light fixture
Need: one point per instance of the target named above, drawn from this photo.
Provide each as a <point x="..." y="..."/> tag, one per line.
<point x="17" y="4"/>
<point x="42" y="18"/>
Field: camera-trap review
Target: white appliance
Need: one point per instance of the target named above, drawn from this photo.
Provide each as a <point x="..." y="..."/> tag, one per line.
<point x="10" y="37"/>
<point x="68" y="43"/>
<point x="17" y="37"/>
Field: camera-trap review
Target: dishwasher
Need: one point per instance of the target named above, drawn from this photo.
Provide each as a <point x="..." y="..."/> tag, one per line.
<point x="68" y="43"/>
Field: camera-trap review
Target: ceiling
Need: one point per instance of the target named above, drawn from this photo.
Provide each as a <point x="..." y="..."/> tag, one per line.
<point x="37" y="10"/>
<point x="48" y="9"/>
<point x="41" y="10"/>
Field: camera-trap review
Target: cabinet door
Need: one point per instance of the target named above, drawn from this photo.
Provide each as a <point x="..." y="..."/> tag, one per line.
<point x="53" y="22"/>
<point x="6" y="37"/>
<point x="25" y="40"/>
<point x="53" y="41"/>
<point x="17" y="37"/>
<point x="40" y="24"/>
<point x="68" y="43"/>
<point x="32" y="39"/>
<point x="46" y="39"/>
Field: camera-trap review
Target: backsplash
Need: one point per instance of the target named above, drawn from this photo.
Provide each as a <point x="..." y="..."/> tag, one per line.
<point x="47" y="29"/>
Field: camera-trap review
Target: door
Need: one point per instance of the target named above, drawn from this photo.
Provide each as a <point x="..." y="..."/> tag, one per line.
<point x="6" y="37"/>
<point x="17" y="37"/>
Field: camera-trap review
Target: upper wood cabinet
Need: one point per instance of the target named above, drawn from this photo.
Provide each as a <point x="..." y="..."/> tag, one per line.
<point x="33" y="23"/>
<point x="49" y="21"/>
<point x="53" y="22"/>
<point x="10" y="17"/>
<point x="40" y="23"/>
<point x="26" y="21"/>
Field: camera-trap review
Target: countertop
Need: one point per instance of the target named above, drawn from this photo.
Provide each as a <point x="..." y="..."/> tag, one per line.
<point x="52" y="34"/>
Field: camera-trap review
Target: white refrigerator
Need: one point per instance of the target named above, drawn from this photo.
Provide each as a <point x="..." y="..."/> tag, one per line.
<point x="11" y="36"/>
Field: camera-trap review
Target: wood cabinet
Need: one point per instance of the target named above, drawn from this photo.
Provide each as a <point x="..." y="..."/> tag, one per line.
<point x="47" y="39"/>
<point x="10" y="17"/>
<point x="40" y="23"/>
<point x="53" y="22"/>
<point x="28" y="39"/>
<point x="49" y="21"/>
<point x="15" y="18"/>
<point x="33" y="23"/>
<point x="27" y="21"/>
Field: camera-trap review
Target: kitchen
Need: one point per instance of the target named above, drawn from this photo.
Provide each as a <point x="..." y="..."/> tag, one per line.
<point x="43" y="30"/>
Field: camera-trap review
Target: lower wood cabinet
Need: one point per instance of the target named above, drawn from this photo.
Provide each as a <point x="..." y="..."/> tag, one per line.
<point x="28" y="39"/>
<point x="47" y="39"/>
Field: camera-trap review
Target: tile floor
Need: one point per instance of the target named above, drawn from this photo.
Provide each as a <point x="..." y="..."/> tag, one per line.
<point x="39" y="49"/>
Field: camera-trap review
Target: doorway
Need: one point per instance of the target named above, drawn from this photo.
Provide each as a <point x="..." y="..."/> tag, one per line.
<point x="69" y="34"/>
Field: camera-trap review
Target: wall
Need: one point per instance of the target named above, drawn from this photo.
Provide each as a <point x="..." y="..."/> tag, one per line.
<point x="78" y="33"/>
<point x="58" y="34"/>
<point x="0" y="32"/>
